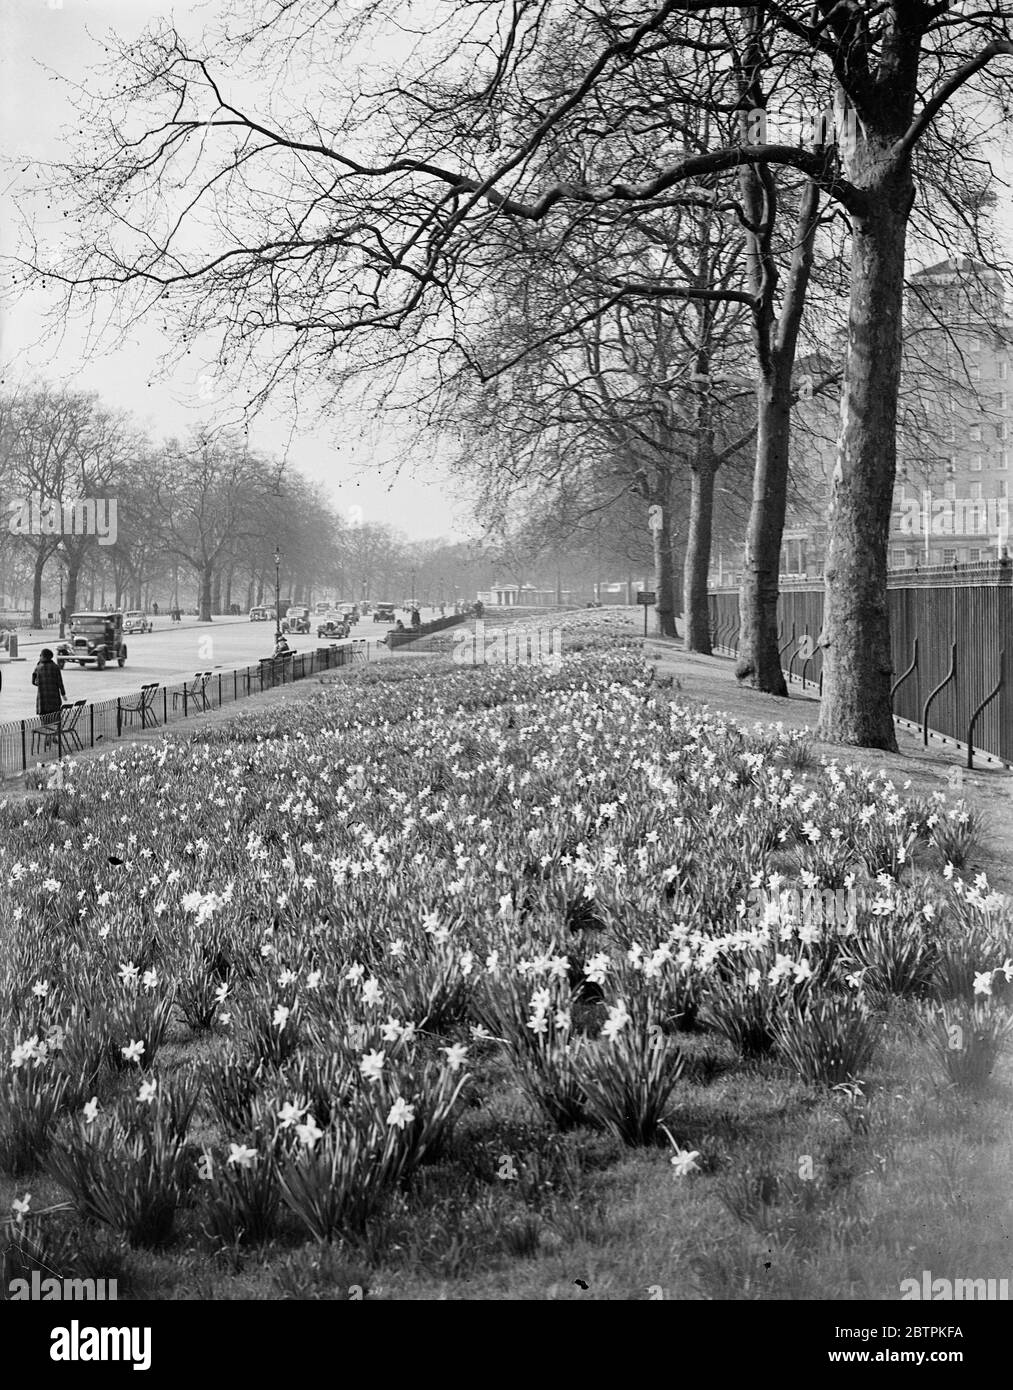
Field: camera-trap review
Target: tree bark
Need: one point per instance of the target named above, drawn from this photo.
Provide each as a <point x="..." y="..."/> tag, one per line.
<point x="759" y="660"/>
<point x="857" y="664"/>
<point x="206" y="577"/>
<point x="38" y="569"/>
<point x="70" y="588"/>
<point x="697" y="563"/>
<point x="678" y="568"/>
<point x="664" y="575"/>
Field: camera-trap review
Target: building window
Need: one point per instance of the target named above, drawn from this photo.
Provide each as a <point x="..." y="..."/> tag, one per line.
<point x="1003" y="431"/>
<point x="1003" y="460"/>
<point x="1003" y="488"/>
<point x="975" y="434"/>
<point x="1003" y="369"/>
<point x="976" y="463"/>
<point x="974" y="492"/>
<point x="974" y="371"/>
<point x="1003" y="401"/>
<point x="950" y="491"/>
<point x="899" y="561"/>
<point x="974" y="556"/>
<point x="949" y="557"/>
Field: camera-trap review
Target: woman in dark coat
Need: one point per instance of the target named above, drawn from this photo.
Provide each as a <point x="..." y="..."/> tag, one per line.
<point x="48" y="678"/>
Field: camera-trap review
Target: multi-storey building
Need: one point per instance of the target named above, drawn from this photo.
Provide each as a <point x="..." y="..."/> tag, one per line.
<point x="951" y="498"/>
<point x="955" y="430"/>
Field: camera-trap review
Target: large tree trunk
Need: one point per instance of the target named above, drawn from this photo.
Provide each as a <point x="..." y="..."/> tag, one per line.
<point x="697" y="563"/>
<point x="678" y="568"/>
<point x="204" y="601"/>
<point x="38" y="569"/>
<point x="857" y="665"/>
<point x="759" y="659"/>
<point x="73" y="576"/>
<point x="664" y="575"/>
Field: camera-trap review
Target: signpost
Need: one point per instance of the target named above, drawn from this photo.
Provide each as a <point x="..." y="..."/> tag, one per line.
<point x="648" y="598"/>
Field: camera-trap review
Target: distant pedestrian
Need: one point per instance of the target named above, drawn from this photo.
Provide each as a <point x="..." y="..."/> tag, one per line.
<point x="48" y="679"/>
<point x="416" y="620"/>
<point x="154" y="609"/>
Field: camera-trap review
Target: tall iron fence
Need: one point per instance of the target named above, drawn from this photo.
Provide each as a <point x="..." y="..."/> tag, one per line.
<point x="26" y="743"/>
<point x="952" y="649"/>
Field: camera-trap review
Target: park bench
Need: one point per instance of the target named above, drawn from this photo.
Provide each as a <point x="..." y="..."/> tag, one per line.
<point x="62" y="732"/>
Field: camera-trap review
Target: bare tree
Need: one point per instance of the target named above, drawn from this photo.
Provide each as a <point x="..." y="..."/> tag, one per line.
<point x="391" y="194"/>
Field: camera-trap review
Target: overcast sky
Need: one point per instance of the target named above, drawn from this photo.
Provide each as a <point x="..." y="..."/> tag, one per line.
<point x="65" y="35"/>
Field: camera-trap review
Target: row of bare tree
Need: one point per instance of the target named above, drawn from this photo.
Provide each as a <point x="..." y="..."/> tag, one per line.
<point x="524" y="194"/>
<point x="195" y="521"/>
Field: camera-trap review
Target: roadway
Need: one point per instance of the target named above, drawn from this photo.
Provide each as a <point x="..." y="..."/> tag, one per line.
<point x="171" y="653"/>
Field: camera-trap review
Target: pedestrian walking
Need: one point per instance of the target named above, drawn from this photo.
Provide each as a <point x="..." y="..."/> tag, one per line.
<point x="48" y="680"/>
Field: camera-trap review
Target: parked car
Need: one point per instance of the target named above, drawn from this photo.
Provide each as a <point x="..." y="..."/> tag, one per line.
<point x="296" y="619"/>
<point x="95" y="638"/>
<point x="136" y="621"/>
<point x="334" y="628"/>
<point x="258" y="614"/>
<point x="383" y="613"/>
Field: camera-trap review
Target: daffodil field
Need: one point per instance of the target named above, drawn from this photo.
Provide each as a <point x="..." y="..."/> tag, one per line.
<point x="425" y="975"/>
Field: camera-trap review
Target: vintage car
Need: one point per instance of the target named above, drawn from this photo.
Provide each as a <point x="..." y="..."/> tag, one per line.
<point x="334" y="628"/>
<point x="349" y="611"/>
<point x="95" y="638"/>
<point x="258" y="614"/>
<point x="383" y="613"/>
<point x="296" y="619"/>
<point x="136" y="621"/>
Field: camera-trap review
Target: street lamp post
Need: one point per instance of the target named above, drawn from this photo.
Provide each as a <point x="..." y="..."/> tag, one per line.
<point x="277" y="593"/>
<point x="61" y="605"/>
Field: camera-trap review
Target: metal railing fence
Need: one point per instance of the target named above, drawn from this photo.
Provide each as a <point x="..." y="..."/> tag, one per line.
<point x="26" y="743"/>
<point x="952" y="645"/>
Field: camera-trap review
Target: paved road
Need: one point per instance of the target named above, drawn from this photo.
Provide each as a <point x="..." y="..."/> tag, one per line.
<point x="171" y="653"/>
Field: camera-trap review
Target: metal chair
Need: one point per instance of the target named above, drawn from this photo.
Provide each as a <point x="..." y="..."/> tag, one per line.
<point x="144" y="706"/>
<point x="194" y="693"/>
<point x="63" y="732"/>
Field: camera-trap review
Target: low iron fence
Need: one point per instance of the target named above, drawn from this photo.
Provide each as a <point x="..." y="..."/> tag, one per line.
<point x="952" y="650"/>
<point x="26" y="743"/>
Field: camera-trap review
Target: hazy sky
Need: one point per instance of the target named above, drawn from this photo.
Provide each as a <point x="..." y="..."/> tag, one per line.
<point x="65" y="36"/>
